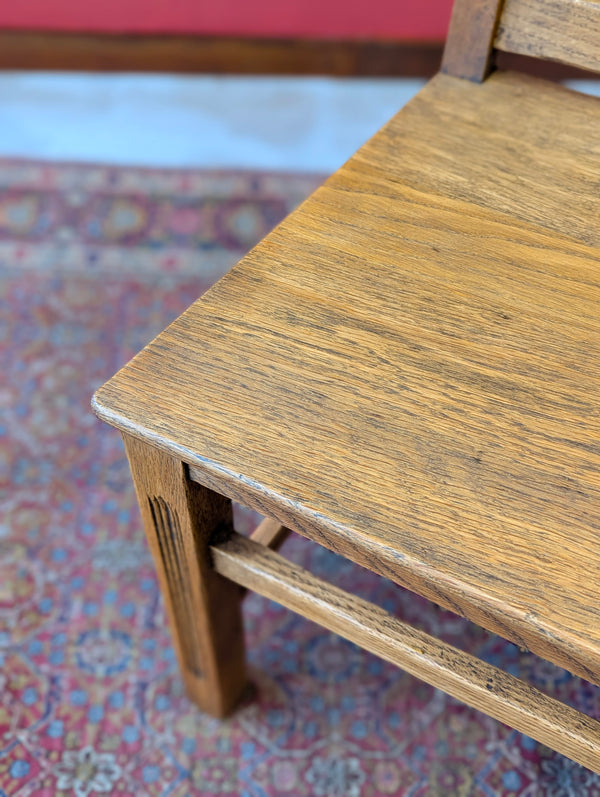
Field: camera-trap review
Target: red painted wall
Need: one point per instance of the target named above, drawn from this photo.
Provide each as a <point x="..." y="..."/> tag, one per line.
<point x="357" y="19"/>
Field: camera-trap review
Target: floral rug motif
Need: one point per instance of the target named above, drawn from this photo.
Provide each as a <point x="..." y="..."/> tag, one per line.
<point x="94" y="261"/>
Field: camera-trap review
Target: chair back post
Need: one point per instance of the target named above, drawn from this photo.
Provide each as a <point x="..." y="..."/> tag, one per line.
<point x="470" y="41"/>
<point x="567" y="31"/>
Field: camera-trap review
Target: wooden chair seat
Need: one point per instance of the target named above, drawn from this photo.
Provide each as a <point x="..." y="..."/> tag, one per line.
<point x="407" y="370"/>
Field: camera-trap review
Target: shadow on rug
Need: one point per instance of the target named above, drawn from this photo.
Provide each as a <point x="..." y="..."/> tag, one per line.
<point x="94" y="262"/>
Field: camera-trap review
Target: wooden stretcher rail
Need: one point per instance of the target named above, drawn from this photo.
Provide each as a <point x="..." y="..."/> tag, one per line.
<point x="270" y="533"/>
<point x="461" y="675"/>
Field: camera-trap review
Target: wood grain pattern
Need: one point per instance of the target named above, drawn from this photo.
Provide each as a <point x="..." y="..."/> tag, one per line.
<point x="502" y="145"/>
<point x="167" y="530"/>
<point x="420" y="344"/>
<point x="461" y="675"/>
<point x="468" y="50"/>
<point x="181" y="518"/>
<point x="560" y="30"/>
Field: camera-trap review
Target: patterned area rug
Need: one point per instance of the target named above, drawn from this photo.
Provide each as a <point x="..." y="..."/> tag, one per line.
<point x="95" y="261"/>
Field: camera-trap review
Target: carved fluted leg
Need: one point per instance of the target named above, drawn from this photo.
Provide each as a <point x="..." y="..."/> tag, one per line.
<point x="181" y="518"/>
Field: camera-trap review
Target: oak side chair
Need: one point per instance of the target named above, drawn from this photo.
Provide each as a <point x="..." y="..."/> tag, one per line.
<point x="406" y="371"/>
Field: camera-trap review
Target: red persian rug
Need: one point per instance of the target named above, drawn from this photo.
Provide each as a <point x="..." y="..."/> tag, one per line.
<point x="94" y="262"/>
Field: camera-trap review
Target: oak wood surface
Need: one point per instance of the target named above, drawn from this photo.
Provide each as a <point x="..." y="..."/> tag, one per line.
<point x="468" y="50"/>
<point x="461" y="675"/>
<point x="181" y="518"/>
<point x="513" y="144"/>
<point x="561" y="30"/>
<point x="420" y="344"/>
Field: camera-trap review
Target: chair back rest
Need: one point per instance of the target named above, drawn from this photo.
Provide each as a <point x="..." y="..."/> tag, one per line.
<point x="567" y="31"/>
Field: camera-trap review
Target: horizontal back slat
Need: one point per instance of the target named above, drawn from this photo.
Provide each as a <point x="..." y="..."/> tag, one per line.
<point x="567" y="31"/>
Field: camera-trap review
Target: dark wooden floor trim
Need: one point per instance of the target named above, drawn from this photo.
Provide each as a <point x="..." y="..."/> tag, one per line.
<point x="193" y="54"/>
<point x="108" y="52"/>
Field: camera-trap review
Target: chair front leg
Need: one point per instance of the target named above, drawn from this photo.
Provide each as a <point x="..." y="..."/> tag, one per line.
<point x="181" y="519"/>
